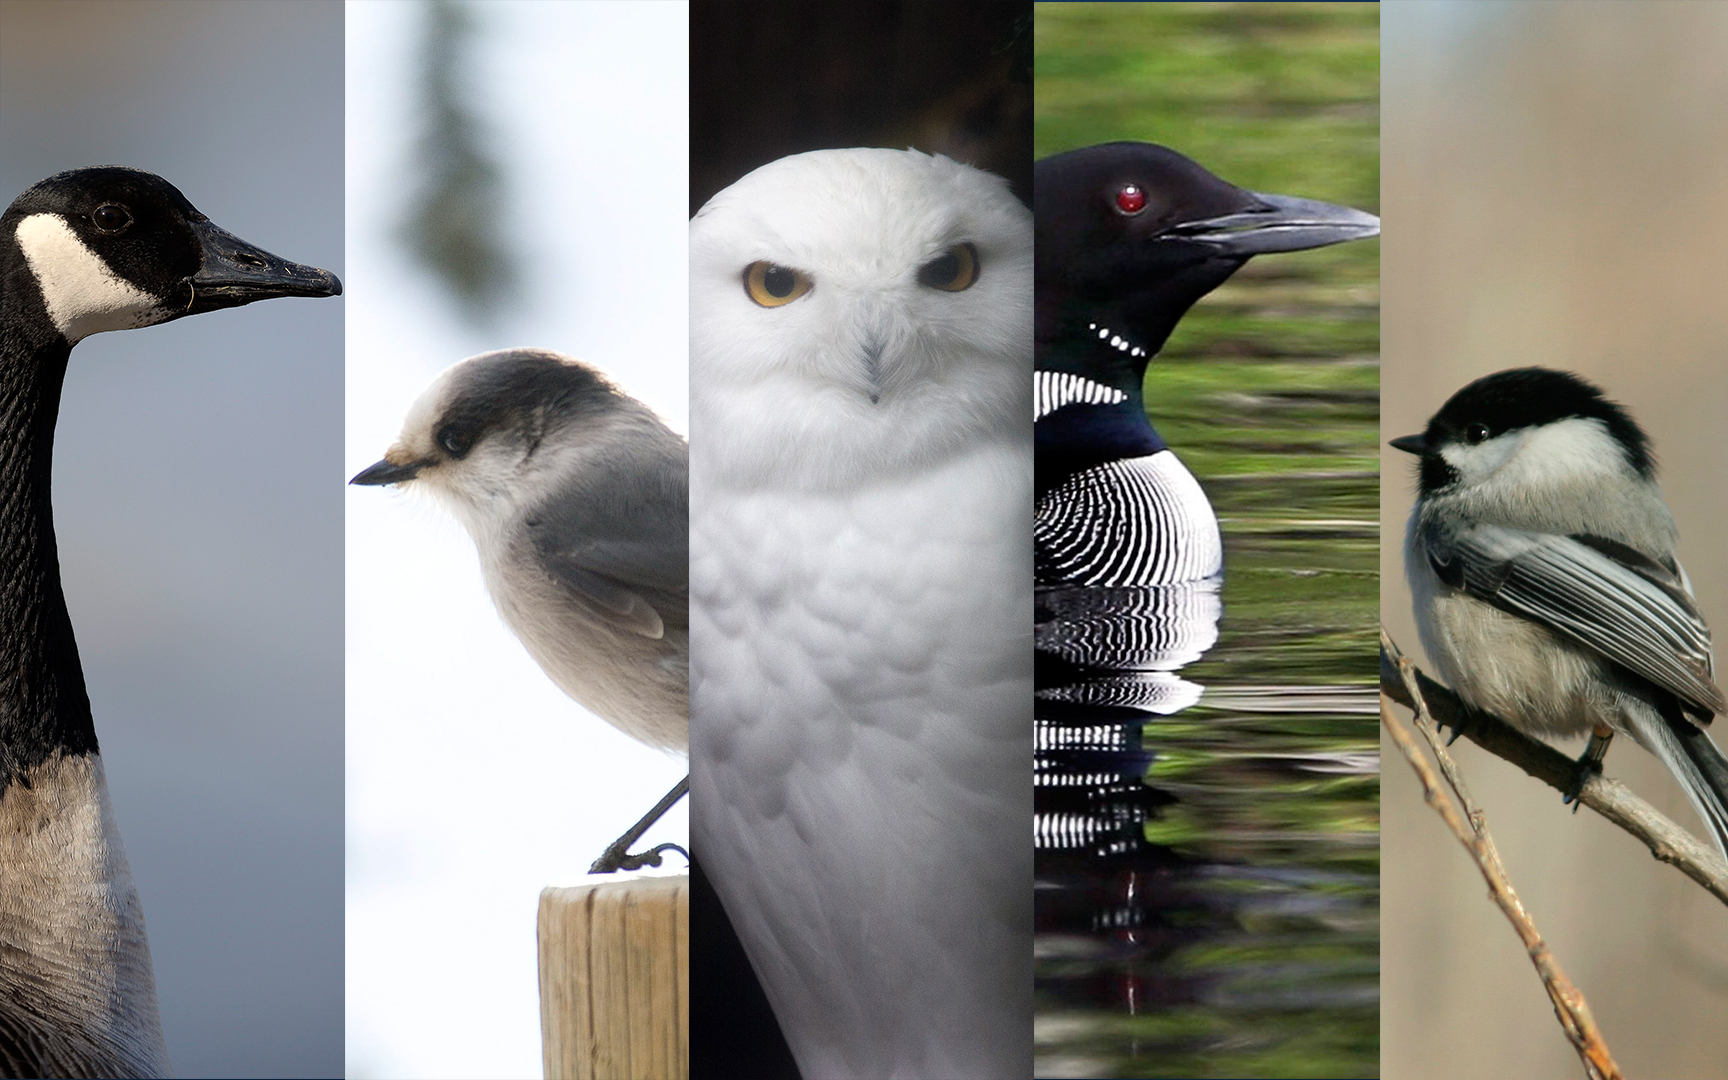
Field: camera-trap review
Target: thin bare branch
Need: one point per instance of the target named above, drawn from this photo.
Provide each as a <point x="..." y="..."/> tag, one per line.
<point x="1667" y="841"/>
<point x="1570" y="1007"/>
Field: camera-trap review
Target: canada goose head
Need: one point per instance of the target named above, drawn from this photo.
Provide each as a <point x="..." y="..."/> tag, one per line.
<point x="111" y="248"/>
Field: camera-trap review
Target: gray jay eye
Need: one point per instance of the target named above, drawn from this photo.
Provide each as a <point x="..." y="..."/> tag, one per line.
<point x="1476" y="433"/>
<point x="454" y="442"/>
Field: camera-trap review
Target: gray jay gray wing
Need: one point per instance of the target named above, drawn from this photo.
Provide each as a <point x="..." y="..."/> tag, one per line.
<point x="623" y="548"/>
<point x="1611" y="599"/>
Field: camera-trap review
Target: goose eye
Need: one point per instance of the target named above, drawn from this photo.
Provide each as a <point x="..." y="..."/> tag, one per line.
<point x="771" y="285"/>
<point x="454" y="442"/>
<point x="1130" y="199"/>
<point x="111" y="217"/>
<point x="1476" y="433"/>
<point x="954" y="271"/>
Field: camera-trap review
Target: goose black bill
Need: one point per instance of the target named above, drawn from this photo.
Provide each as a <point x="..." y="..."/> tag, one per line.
<point x="236" y="272"/>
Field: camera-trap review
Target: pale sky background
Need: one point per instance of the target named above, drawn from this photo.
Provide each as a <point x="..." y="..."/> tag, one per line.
<point x="472" y="781"/>
<point x="198" y="506"/>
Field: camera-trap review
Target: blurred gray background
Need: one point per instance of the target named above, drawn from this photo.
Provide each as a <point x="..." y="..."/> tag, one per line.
<point x="198" y="501"/>
<point x="1555" y="193"/>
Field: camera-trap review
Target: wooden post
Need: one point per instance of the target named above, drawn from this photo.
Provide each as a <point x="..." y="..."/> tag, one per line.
<point x="615" y="980"/>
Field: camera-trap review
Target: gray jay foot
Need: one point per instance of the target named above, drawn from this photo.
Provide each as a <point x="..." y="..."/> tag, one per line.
<point x="616" y="856"/>
<point x="606" y="863"/>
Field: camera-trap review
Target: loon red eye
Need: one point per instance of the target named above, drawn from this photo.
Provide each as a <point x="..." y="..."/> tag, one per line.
<point x="1130" y="199"/>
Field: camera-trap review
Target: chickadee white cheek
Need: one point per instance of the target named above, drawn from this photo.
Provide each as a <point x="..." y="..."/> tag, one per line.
<point x="1477" y="463"/>
<point x="1564" y="453"/>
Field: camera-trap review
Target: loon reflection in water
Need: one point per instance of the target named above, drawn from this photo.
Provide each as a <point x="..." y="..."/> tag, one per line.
<point x="1106" y="662"/>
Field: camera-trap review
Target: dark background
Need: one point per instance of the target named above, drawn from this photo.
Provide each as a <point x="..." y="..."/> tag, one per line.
<point x="770" y="78"/>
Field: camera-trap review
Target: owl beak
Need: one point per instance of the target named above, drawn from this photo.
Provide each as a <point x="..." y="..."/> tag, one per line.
<point x="873" y="368"/>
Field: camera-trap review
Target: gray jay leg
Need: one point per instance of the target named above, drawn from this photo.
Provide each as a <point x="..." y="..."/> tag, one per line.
<point x="615" y="857"/>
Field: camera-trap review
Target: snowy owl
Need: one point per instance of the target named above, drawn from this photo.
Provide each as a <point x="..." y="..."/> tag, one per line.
<point x="861" y="604"/>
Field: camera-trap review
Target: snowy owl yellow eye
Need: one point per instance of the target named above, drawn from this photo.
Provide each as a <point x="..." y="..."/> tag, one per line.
<point x="771" y="284"/>
<point x="954" y="271"/>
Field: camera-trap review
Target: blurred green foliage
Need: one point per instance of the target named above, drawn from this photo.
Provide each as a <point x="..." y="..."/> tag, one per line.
<point x="455" y="217"/>
<point x="1272" y="96"/>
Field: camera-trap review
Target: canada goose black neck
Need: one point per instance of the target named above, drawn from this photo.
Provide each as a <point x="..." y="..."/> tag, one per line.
<point x="43" y="704"/>
<point x="81" y="252"/>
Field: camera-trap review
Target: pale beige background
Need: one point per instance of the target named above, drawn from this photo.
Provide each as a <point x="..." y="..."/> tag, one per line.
<point x="1556" y="193"/>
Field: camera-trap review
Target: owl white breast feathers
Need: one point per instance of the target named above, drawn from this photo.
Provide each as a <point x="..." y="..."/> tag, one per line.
<point x="861" y="604"/>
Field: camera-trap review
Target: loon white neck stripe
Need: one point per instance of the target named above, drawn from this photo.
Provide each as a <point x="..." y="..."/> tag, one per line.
<point x="1116" y="341"/>
<point x="83" y="294"/>
<point x="1053" y="389"/>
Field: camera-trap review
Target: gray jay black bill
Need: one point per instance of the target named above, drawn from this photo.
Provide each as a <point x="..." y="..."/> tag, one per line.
<point x="1541" y="558"/>
<point x="577" y="497"/>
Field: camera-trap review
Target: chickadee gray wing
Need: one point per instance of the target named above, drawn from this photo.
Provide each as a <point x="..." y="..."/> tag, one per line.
<point x="1599" y="593"/>
<point x="624" y="552"/>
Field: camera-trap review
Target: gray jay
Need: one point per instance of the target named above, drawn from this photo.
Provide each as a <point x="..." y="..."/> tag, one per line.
<point x="1541" y="558"/>
<point x="577" y="497"/>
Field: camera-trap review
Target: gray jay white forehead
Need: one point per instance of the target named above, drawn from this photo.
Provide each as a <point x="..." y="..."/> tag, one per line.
<point x="513" y="396"/>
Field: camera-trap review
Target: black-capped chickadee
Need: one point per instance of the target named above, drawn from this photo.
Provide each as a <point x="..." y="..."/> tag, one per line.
<point x="1541" y="559"/>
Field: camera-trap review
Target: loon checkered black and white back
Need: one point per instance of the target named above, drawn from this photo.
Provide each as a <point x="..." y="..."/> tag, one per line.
<point x="1129" y="236"/>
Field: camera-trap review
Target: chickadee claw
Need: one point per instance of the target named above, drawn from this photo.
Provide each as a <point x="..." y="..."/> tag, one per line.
<point x="1586" y="767"/>
<point x="1464" y="723"/>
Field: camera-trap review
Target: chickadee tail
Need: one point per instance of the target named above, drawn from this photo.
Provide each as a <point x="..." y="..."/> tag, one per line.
<point x="1702" y="770"/>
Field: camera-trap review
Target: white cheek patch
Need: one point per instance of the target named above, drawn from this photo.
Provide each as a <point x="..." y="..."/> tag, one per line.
<point x="84" y="296"/>
<point x="1476" y="463"/>
<point x="1571" y="451"/>
<point x="1576" y="450"/>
